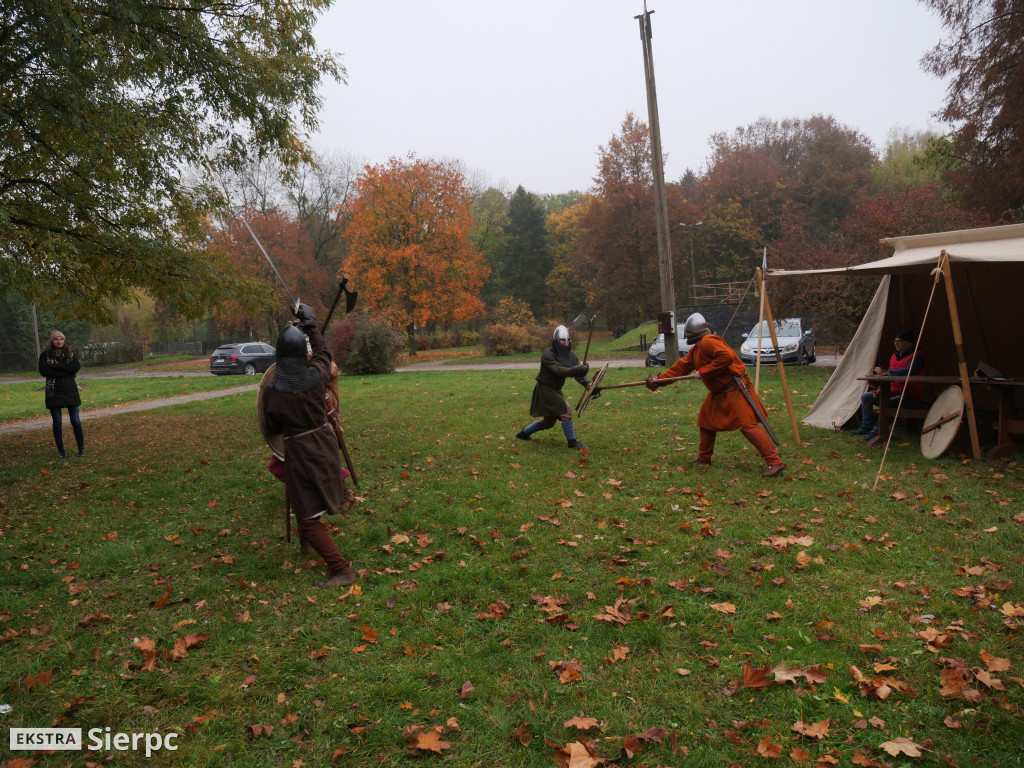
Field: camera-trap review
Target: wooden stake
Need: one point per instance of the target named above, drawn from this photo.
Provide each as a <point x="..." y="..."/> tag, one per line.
<point x="958" y="341"/>
<point x="781" y="366"/>
<point x="759" y="277"/>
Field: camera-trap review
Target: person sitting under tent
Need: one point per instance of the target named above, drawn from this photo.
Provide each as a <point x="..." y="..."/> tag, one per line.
<point x="904" y="362"/>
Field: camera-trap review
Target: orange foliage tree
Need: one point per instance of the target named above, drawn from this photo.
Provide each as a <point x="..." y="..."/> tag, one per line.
<point x="566" y="291"/>
<point x="616" y="252"/>
<point x="408" y="244"/>
<point x="263" y="310"/>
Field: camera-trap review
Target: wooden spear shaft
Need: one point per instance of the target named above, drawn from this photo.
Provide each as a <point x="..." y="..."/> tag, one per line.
<point x="644" y="382"/>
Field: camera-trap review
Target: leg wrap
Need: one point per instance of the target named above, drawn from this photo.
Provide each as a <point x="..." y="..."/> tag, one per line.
<point x="314" y="532"/>
<point x="537" y="426"/>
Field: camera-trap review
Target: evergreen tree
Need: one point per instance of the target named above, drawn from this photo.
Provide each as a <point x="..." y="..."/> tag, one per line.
<point x="527" y="258"/>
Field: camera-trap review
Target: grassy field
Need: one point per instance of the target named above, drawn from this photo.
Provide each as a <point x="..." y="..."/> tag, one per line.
<point x="26" y="400"/>
<point x="519" y="604"/>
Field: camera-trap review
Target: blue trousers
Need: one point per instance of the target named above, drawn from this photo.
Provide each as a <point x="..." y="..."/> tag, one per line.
<point x="58" y="427"/>
<point x="867" y="404"/>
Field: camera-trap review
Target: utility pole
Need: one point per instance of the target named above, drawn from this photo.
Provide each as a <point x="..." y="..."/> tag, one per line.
<point x="668" y="290"/>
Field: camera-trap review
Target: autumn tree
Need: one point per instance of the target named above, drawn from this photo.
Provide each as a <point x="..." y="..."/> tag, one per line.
<point x="104" y="103"/>
<point x="566" y="293"/>
<point x="790" y="174"/>
<point x="317" y="190"/>
<point x="408" y="243"/>
<point x="263" y="310"/>
<point x="312" y="191"/>
<point x="984" y="59"/>
<point x="839" y="302"/>
<point x="488" y="235"/>
<point x="904" y="162"/>
<point x="617" y="254"/>
<point x="527" y="261"/>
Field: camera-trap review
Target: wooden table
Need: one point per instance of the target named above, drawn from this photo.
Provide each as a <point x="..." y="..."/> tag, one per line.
<point x="1005" y="424"/>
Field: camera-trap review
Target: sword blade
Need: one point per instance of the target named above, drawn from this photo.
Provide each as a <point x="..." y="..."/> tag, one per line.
<point x="295" y="302"/>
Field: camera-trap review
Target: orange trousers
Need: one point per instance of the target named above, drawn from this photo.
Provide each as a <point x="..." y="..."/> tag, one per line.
<point x="754" y="434"/>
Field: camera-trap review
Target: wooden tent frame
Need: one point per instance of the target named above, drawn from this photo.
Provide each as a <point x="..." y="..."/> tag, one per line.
<point x="766" y="311"/>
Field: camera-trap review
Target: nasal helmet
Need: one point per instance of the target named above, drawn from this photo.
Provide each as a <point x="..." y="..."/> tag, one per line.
<point x="291" y="343"/>
<point x="561" y="334"/>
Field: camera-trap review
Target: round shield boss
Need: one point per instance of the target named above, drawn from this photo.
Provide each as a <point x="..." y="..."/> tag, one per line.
<point x="274" y="440"/>
<point x="942" y="422"/>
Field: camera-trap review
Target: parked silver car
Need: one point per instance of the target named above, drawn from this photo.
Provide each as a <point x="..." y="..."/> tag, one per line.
<point x="656" y="353"/>
<point x="796" y="341"/>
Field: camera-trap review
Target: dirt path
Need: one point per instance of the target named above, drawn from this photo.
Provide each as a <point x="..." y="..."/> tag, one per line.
<point x="28" y="425"/>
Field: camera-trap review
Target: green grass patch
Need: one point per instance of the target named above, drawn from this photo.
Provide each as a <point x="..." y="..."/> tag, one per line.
<point x="510" y="587"/>
<point x="26" y="400"/>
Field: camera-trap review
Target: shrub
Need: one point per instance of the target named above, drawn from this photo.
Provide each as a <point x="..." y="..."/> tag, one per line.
<point x="501" y="339"/>
<point x="512" y="311"/>
<point x="541" y="336"/>
<point x="365" y="345"/>
<point x="424" y="342"/>
<point x="453" y="339"/>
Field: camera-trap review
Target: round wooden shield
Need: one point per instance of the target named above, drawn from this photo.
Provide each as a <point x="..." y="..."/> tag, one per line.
<point x="581" y="406"/>
<point x="942" y="422"/>
<point x="274" y="440"/>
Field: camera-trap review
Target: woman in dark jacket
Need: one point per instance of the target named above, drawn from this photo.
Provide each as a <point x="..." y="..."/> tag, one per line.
<point x="58" y="365"/>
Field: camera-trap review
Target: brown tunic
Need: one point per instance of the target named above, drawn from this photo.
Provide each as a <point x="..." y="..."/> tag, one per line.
<point x="311" y="449"/>
<point x="725" y="408"/>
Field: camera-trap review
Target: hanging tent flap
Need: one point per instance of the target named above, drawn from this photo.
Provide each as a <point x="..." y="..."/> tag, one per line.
<point x="840" y="397"/>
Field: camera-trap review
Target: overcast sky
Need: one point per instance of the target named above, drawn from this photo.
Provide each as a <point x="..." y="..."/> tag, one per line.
<point x="525" y="91"/>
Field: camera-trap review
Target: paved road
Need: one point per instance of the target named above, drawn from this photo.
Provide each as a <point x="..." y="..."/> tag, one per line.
<point x="28" y="425"/>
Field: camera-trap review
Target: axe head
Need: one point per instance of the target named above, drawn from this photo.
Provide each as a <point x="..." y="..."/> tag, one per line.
<point x="580" y="319"/>
<point x="350" y="296"/>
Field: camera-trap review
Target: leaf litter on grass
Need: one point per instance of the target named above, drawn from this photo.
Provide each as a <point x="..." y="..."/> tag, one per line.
<point x="850" y="607"/>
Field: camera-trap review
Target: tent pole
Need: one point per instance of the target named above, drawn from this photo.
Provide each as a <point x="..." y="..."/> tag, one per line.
<point x="759" y="277"/>
<point x="781" y="366"/>
<point x="958" y="341"/>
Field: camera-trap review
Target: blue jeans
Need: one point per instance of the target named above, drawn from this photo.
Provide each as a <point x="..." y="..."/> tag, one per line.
<point x="867" y="403"/>
<point x="58" y="427"/>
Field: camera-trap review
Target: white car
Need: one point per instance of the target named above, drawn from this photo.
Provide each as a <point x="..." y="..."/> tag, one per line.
<point x="796" y="341"/>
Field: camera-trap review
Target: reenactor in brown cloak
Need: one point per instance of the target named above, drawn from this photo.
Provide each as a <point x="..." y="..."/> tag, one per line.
<point x="294" y="406"/>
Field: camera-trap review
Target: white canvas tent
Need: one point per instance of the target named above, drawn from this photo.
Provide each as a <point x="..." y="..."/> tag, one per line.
<point x="987" y="274"/>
